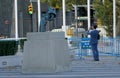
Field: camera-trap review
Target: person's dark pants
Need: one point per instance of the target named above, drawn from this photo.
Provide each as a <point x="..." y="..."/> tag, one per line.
<point x="95" y="52"/>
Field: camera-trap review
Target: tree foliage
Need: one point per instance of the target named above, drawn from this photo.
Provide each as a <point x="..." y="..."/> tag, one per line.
<point x="69" y="3"/>
<point x="58" y="3"/>
<point x="104" y="12"/>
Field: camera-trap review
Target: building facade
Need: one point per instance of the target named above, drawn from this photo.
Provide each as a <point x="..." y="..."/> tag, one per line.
<point x="26" y="23"/>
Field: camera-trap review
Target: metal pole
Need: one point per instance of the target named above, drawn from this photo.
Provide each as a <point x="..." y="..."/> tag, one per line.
<point x="75" y="6"/>
<point x="103" y="1"/>
<point x="76" y="19"/>
<point x="88" y="13"/>
<point x="114" y="24"/>
<point x="114" y="18"/>
<point x="16" y="25"/>
<point x="39" y="15"/>
<point x="16" y="19"/>
<point x="64" y="16"/>
<point x="31" y="18"/>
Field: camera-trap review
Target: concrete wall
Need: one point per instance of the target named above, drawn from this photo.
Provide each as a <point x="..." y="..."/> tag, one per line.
<point x="46" y="52"/>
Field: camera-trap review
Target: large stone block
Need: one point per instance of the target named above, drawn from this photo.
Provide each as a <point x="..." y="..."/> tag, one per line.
<point x="46" y="52"/>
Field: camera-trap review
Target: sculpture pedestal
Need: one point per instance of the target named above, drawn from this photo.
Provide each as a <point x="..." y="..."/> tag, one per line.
<point x="46" y="52"/>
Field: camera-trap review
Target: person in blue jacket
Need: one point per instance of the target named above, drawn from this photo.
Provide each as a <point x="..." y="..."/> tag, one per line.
<point x="94" y="42"/>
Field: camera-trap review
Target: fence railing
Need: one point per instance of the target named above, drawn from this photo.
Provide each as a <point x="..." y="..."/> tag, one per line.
<point x="106" y="46"/>
<point x="109" y="46"/>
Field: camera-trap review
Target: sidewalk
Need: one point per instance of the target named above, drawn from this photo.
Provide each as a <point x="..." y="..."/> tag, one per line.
<point x="107" y="67"/>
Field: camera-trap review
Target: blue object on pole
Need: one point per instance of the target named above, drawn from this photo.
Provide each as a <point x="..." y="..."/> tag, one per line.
<point x="85" y="43"/>
<point x="49" y="16"/>
<point x="51" y="13"/>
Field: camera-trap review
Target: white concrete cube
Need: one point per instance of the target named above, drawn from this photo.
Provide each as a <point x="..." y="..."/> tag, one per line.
<point x="46" y="52"/>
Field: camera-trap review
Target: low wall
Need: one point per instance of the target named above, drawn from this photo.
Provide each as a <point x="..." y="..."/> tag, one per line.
<point x="8" y="61"/>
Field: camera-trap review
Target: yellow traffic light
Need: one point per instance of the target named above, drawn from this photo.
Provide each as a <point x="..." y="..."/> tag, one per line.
<point x="30" y="9"/>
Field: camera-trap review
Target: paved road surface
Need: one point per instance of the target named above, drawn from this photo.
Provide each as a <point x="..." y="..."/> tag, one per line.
<point x="107" y="67"/>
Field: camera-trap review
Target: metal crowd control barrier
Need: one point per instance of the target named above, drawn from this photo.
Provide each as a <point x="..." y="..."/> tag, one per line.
<point x="109" y="46"/>
<point x="85" y="47"/>
<point x="73" y="43"/>
<point x="106" y="46"/>
<point x="81" y="44"/>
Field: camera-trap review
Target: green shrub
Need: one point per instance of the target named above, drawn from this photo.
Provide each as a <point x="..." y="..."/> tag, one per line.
<point x="10" y="47"/>
<point x="22" y="43"/>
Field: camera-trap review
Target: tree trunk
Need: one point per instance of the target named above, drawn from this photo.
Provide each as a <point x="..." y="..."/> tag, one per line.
<point x="118" y="27"/>
<point x="118" y="17"/>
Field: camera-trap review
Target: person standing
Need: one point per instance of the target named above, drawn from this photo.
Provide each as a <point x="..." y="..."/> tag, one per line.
<point x="94" y="42"/>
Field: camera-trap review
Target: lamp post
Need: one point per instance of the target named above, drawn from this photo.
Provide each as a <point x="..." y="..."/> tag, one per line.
<point x="114" y="24"/>
<point x="39" y="15"/>
<point x="16" y="19"/>
<point x="64" y="16"/>
<point x="114" y="18"/>
<point x="88" y="13"/>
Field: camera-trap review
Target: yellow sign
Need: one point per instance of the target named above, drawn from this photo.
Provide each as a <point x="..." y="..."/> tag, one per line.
<point x="70" y="32"/>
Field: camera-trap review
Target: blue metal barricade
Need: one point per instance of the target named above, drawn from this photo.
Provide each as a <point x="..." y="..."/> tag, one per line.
<point x="106" y="46"/>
